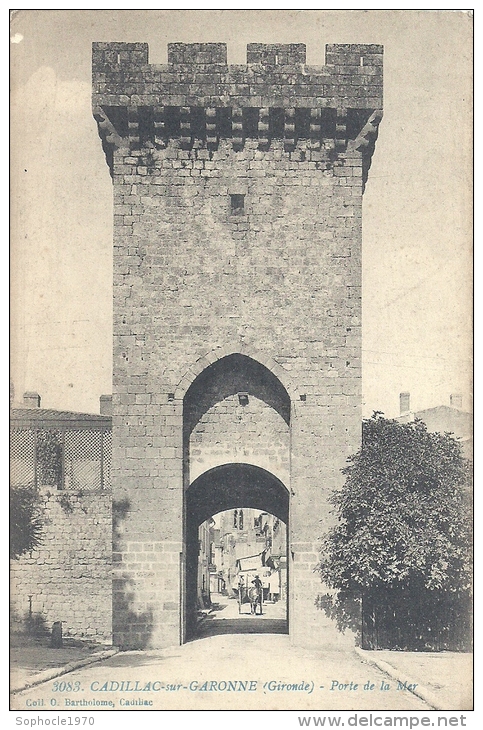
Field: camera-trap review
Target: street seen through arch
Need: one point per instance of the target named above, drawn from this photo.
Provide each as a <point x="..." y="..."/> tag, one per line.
<point x="242" y="556"/>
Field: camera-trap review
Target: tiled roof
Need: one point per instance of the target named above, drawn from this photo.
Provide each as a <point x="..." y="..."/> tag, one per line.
<point x="49" y="415"/>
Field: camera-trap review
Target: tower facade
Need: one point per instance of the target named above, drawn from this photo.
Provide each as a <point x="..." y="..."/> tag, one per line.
<point x="237" y="307"/>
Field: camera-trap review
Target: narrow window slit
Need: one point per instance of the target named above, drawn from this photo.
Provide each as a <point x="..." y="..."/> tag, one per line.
<point x="237" y="204"/>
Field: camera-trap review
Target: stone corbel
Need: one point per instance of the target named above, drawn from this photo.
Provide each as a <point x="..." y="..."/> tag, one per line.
<point x="368" y="133"/>
<point x="365" y="143"/>
<point x="109" y="136"/>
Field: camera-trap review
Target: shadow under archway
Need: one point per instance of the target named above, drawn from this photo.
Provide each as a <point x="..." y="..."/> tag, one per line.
<point x="233" y="485"/>
<point x="241" y="626"/>
<point x="224" y="488"/>
<point x="228" y="376"/>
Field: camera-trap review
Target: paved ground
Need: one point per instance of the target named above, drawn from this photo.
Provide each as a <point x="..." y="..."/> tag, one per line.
<point x="227" y="618"/>
<point x="29" y="657"/>
<point x="447" y="677"/>
<point x="256" y="668"/>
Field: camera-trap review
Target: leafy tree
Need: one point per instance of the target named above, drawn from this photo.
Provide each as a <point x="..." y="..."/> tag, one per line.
<point x="25" y="520"/>
<point x="402" y="543"/>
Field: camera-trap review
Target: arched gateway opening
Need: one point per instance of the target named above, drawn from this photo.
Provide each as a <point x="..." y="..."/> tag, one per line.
<point x="224" y="488"/>
<point x="236" y="442"/>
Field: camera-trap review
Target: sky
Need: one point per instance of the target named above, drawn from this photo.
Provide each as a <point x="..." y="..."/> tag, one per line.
<point x="417" y="214"/>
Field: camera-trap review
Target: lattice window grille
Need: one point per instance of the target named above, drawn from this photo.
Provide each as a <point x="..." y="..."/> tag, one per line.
<point x="82" y="465"/>
<point x="74" y="459"/>
<point x="22" y="457"/>
<point x="106" y="459"/>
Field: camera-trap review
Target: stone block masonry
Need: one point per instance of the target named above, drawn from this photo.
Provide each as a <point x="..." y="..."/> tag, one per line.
<point x="69" y="577"/>
<point x="237" y="271"/>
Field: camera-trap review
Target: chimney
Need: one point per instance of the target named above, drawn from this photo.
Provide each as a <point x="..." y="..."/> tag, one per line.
<point x="31" y="400"/>
<point x="404" y="406"/>
<point x="105" y="405"/>
<point x="456" y="400"/>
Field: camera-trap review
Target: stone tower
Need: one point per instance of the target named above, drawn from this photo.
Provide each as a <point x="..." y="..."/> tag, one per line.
<point x="237" y="307"/>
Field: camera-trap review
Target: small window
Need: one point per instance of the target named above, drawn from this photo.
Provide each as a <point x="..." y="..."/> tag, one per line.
<point x="237" y="204"/>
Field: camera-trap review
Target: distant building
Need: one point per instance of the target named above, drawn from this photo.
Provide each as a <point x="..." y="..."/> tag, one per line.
<point x="443" y="419"/>
<point x="255" y="542"/>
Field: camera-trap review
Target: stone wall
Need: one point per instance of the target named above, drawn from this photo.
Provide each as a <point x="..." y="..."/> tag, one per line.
<point x="69" y="577"/>
<point x="250" y="434"/>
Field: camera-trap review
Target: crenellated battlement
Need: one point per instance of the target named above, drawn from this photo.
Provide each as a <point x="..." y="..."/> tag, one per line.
<point x="112" y="55"/>
<point x="215" y="54"/>
<point x="197" y="53"/>
<point x="197" y="96"/>
<point x="275" y="75"/>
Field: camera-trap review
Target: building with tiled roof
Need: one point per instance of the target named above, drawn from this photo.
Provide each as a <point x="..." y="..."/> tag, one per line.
<point x="443" y="419"/>
<point x="61" y="449"/>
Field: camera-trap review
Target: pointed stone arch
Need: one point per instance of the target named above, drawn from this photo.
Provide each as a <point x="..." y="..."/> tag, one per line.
<point x="218" y="353"/>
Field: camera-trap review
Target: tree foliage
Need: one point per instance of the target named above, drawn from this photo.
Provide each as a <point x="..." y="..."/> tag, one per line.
<point x="49" y="457"/>
<point x="25" y="520"/>
<point x="404" y="531"/>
